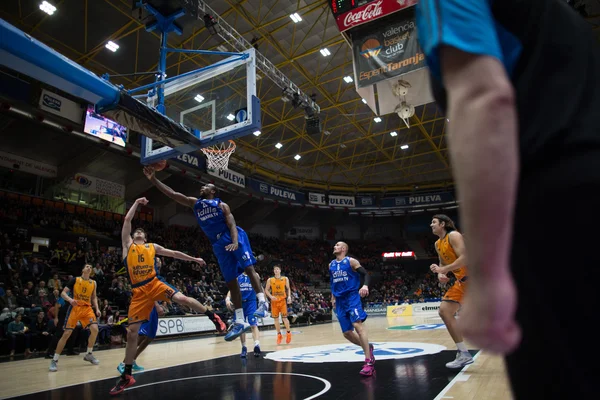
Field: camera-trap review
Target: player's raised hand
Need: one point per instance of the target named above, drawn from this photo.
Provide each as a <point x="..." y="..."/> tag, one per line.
<point x="142" y="200"/>
<point x="231" y="247"/>
<point x="149" y="172"/>
<point x="364" y="291"/>
<point x="200" y="261"/>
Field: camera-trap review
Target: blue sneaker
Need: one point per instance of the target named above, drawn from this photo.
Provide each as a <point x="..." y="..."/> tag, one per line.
<point x="237" y="329"/>
<point x="136" y="368"/>
<point x="121" y="368"/>
<point x="244" y="352"/>
<point x="261" y="311"/>
<point x="256" y="351"/>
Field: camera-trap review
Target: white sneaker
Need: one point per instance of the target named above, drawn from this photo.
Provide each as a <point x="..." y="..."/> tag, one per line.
<point x="462" y="359"/>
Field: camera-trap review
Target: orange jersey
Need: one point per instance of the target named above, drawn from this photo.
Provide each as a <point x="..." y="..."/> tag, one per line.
<point x="140" y="264"/>
<point x="278" y="286"/>
<point x="83" y="290"/>
<point x="448" y="256"/>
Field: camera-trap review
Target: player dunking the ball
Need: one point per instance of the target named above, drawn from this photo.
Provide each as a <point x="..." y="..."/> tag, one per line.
<point x="346" y="293"/>
<point x="451" y="251"/>
<point x="80" y="310"/>
<point x="230" y="245"/>
<point x="147" y="288"/>
<point x="281" y="297"/>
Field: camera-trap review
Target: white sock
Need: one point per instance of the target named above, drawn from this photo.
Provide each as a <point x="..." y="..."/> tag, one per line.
<point x="56" y="355"/>
<point x="239" y="315"/>
<point x="461" y="347"/>
<point x="256" y="343"/>
<point x="90" y="349"/>
<point x="260" y="297"/>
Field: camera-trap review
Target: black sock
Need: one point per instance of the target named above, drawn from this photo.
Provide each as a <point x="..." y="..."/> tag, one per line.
<point x="210" y="315"/>
<point x="127" y="369"/>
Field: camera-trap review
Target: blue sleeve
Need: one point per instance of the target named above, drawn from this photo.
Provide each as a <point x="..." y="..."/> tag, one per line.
<point x="467" y="25"/>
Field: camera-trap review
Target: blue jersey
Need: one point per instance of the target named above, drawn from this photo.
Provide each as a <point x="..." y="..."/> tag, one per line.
<point x="343" y="278"/>
<point x="210" y="218"/>
<point x="248" y="293"/>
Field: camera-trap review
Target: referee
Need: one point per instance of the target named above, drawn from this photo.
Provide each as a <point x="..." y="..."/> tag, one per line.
<point x="520" y="80"/>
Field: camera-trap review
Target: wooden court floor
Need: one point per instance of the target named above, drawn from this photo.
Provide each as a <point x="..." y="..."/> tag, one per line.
<point x="485" y="379"/>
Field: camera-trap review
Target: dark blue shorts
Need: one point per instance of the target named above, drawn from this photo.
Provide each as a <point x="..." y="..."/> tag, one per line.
<point x="249" y="310"/>
<point x="348" y="309"/>
<point x="233" y="263"/>
<point x="150" y="327"/>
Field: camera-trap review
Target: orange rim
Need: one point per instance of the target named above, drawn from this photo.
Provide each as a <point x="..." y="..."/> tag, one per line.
<point x="230" y="149"/>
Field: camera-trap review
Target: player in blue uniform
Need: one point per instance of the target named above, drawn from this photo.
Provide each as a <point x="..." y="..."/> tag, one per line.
<point x="345" y="273"/>
<point x="230" y="245"/>
<point x="249" y="306"/>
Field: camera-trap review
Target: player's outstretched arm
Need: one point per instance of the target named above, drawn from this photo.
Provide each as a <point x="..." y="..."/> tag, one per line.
<point x="126" y="230"/>
<point x="177" y="254"/>
<point x="230" y="221"/>
<point x="364" y="291"/>
<point x="178" y="197"/>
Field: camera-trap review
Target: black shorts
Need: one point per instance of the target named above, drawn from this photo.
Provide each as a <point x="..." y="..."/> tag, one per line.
<point x="554" y="263"/>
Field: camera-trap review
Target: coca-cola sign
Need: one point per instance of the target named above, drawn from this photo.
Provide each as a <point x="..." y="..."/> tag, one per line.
<point x="370" y="12"/>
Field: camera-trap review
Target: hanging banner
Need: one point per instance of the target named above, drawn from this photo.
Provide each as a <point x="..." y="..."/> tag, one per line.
<point x="386" y="50"/>
<point x="341" y="201"/>
<point x="90" y="184"/>
<point x="365" y="201"/>
<point x="309" y="232"/>
<point x="61" y="106"/>
<point x="276" y="191"/>
<point x="230" y="176"/>
<point x="317" y="198"/>
<point x="418" y="200"/>
<point x="19" y="163"/>
<point x="369" y="12"/>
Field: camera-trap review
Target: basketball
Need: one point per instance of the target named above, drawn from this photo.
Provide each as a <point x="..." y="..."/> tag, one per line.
<point x="159" y="166"/>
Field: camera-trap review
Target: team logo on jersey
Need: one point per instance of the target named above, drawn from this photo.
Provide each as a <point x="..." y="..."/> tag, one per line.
<point x="422" y="327"/>
<point x="351" y="353"/>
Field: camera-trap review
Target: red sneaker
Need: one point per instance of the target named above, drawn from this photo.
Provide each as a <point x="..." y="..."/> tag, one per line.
<point x="368" y="369"/>
<point x="219" y="324"/>
<point x="123" y="383"/>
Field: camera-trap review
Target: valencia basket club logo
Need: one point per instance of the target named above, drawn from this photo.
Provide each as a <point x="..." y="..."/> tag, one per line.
<point x="82" y="181"/>
<point x="370" y="48"/>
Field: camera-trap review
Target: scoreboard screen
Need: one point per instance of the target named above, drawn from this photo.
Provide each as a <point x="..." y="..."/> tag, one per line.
<point x="343" y="6"/>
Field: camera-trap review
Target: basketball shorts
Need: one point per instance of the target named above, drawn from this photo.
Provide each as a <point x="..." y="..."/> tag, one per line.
<point x="456" y="293"/>
<point x="84" y="314"/>
<point x="249" y="310"/>
<point x="150" y="327"/>
<point x="279" y="306"/>
<point x="348" y="308"/>
<point x="233" y="263"/>
<point x="142" y="302"/>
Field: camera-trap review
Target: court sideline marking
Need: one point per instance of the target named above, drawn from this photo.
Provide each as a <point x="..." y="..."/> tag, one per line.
<point x="459" y="377"/>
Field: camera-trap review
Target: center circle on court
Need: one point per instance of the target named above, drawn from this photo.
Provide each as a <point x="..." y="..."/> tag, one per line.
<point x="343" y="352"/>
<point x="265" y="385"/>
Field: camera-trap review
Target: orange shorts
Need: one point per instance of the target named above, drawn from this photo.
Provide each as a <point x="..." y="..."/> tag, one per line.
<point x="144" y="297"/>
<point x="279" y="306"/>
<point x="456" y="293"/>
<point x="84" y="314"/>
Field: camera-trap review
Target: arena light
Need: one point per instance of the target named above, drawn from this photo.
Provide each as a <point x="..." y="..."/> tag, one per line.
<point x="377" y="119"/>
<point x="200" y="99"/>
<point x="364" y="101"/>
<point x="231" y="117"/>
<point x="398" y="254"/>
<point x="279" y="145"/>
<point x="404" y="147"/>
<point x="112" y="46"/>
<point x="348" y="79"/>
<point x="393" y="134"/>
<point x="295" y="17"/>
<point x="47" y="8"/>
<point x="256" y="133"/>
<point x="297" y="157"/>
<point x="325" y="52"/>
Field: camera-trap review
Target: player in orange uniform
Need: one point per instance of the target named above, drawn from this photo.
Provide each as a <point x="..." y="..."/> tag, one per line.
<point x="280" y="298"/>
<point x="451" y="251"/>
<point x="80" y="310"/>
<point x="148" y="288"/>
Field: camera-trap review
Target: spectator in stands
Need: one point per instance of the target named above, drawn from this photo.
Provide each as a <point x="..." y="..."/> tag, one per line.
<point x="16" y="330"/>
<point x="55" y="283"/>
<point x="38" y="331"/>
<point x="27" y="301"/>
<point x="10" y="301"/>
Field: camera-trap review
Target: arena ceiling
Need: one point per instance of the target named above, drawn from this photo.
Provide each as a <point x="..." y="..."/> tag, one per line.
<point x="353" y="154"/>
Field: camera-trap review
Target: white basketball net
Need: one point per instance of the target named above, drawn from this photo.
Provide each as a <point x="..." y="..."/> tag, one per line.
<point x="218" y="154"/>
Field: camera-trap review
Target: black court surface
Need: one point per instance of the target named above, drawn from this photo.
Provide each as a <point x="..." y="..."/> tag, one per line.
<point x="233" y="378"/>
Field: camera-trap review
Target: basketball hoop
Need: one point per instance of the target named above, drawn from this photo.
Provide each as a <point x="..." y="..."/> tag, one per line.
<point x="218" y="154"/>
